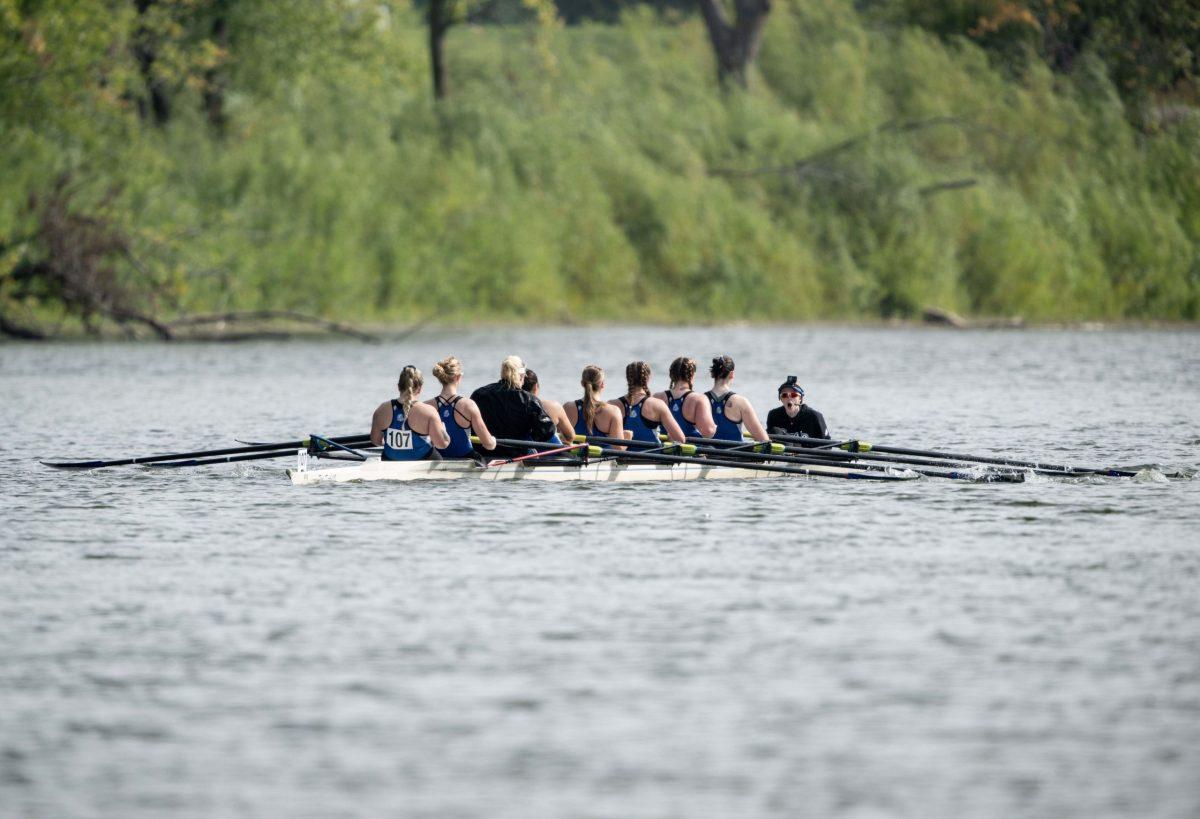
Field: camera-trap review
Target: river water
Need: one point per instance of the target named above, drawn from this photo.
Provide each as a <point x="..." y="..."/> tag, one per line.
<point x="216" y="642"/>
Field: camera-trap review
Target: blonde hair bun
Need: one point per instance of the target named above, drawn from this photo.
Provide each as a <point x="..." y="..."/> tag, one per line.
<point x="446" y="370"/>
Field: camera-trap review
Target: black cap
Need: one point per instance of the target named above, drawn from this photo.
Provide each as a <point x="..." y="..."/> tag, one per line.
<point x="790" y="384"/>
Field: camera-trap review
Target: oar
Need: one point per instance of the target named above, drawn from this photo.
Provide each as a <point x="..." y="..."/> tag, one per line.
<point x="825" y="456"/>
<point x="540" y="454"/>
<point x="735" y="451"/>
<point x="318" y="445"/>
<point x="225" y="459"/>
<point x="703" y="462"/>
<point x="1037" y="466"/>
<point x="635" y="456"/>
<point x="285" y="447"/>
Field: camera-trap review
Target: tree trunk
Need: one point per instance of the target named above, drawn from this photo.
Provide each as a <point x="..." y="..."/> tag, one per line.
<point x="735" y="45"/>
<point x="158" y="104"/>
<point x="439" y="22"/>
<point x="214" y="78"/>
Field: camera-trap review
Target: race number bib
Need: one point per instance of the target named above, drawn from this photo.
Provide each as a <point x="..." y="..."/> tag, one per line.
<point x="399" y="438"/>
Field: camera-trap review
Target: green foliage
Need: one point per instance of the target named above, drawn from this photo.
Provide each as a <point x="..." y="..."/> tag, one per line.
<point x="597" y="172"/>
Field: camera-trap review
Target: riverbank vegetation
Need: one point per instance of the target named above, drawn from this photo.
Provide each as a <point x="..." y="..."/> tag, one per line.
<point x="164" y="158"/>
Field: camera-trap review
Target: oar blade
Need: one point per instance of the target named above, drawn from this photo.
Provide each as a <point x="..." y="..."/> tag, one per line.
<point x="75" y="464"/>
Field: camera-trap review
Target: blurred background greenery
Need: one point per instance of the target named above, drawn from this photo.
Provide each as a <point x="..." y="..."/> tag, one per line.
<point x="588" y="160"/>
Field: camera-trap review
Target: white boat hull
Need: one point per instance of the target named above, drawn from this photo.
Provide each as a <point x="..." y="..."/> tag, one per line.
<point x="375" y="469"/>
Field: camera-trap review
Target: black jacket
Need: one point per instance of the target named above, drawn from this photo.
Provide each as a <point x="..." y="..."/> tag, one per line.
<point x="512" y="413"/>
<point x="808" y="422"/>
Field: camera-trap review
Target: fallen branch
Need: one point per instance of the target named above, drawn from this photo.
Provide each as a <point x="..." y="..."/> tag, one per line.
<point x="950" y="185"/>
<point x="798" y="167"/>
<point x="238" y="316"/>
<point x="12" y="329"/>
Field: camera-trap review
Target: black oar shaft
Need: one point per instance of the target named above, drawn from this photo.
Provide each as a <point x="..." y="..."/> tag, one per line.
<point x="226" y="459"/>
<point x="730" y="449"/>
<point x="518" y="443"/>
<point x="827" y="456"/>
<point x="636" y="456"/>
<point x="201" y="454"/>
<point x="732" y="459"/>
<point x="955" y="456"/>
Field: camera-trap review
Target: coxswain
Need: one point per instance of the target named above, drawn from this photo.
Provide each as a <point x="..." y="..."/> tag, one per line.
<point x="730" y="410"/>
<point x="641" y="413"/>
<point x="690" y="409"/>
<point x="558" y="415"/>
<point x="459" y="414"/>
<point x="408" y="430"/>
<point x="795" y="417"/>
<point x="590" y="415"/>
<point x="511" y="412"/>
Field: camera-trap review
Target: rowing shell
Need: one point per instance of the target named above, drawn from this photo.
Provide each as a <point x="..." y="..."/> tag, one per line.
<point x="375" y="469"/>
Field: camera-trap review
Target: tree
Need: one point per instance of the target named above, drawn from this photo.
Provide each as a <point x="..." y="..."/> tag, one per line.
<point x="178" y="44"/>
<point x="1150" y="47"/>
<point x="442" y="15"/>
<point x="735" y="44"/>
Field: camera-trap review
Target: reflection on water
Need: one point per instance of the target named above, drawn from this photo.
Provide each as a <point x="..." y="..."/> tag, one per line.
<point x="216" y="641"/>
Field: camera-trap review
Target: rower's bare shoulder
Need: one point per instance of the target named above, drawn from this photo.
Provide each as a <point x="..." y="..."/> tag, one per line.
<point x="657" y="406"/>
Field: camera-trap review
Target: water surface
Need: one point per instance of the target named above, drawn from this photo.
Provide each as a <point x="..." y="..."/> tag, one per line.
<point x="218" y="642"/>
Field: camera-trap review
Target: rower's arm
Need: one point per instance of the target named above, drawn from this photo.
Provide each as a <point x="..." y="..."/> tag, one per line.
<point x="379" y="422"/>
<point x="616" y="428"/>
<point x="702" y="415"/>
<point x="674" y="432"/>
<point x="434" y="427"/>
<point x="471" y="410"/>
<point x="750" y="419"/>
<point x="566" y="431"/>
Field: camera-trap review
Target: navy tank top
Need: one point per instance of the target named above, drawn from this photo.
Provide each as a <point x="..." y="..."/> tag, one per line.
<point x="676" y="406"/>
<point x="460" y="439"/>
<point x="400" y="442"/>
<point x="642" y="429"/>
<point x="726" y="430"/>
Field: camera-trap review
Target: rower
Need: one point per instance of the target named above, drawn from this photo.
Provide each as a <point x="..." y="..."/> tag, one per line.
<point x="689" y="409"/>
<point x="795" y="417"/>
<point x="459" y="414"/>
<point x="408" y="430"/>
<point x="562" y="425"/>
<point x="509" y="411"/>
<point x="729" y="409"/>
<point x="590" y="416"/>
<point x="641" y="413"/>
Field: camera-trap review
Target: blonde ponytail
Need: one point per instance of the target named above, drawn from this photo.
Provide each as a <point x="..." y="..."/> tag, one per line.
<point x="410" y="383"/>
<point x="592" y="381"/>
<point x="512" y="371"/>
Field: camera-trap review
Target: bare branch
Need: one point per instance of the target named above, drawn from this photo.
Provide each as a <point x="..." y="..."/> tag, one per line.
<point x="950" y="185"/>
<point x="270" y="315"/>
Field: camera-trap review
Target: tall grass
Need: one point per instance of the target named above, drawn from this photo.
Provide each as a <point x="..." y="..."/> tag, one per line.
<point x="601" y="173"/>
